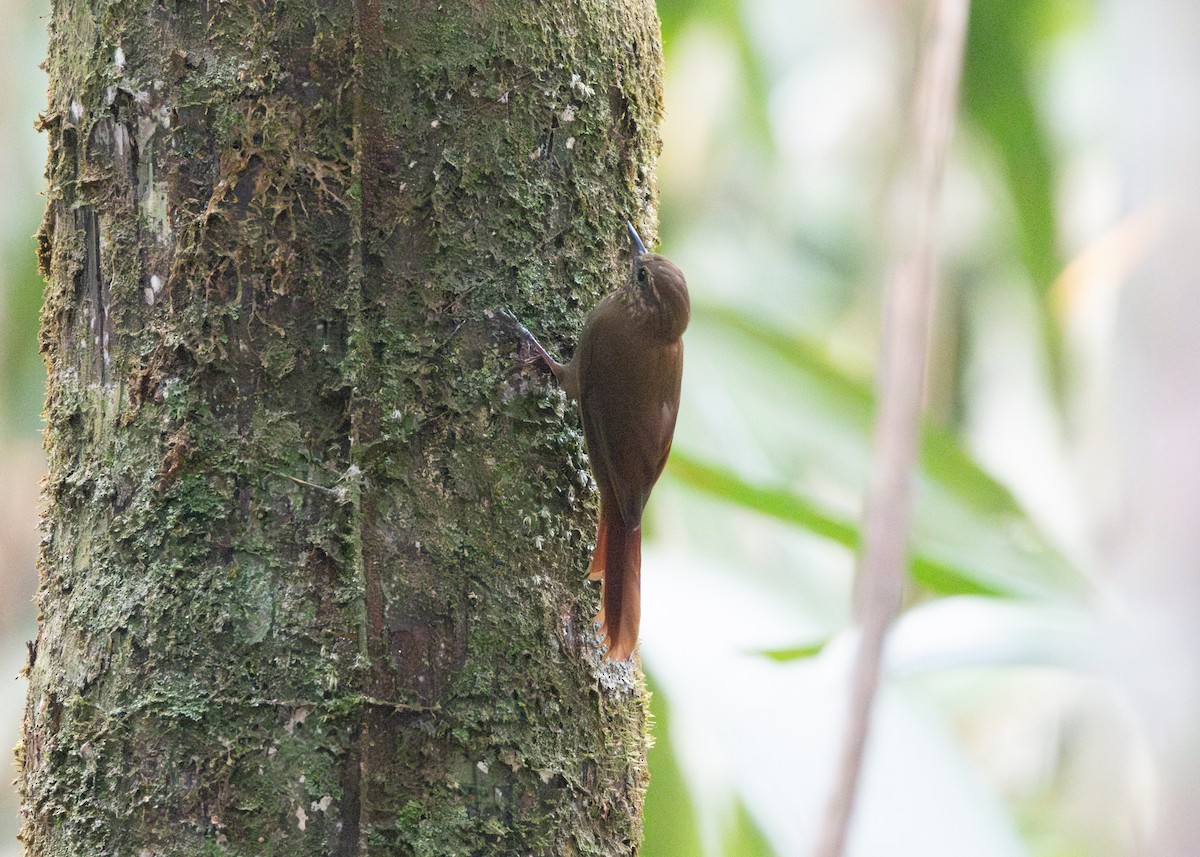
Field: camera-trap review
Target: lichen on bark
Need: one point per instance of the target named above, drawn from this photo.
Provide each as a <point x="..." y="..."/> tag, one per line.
<point x="313" y="566"/>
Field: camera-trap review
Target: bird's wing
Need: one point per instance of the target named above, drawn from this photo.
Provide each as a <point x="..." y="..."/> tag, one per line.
<point x="629" y="404"/>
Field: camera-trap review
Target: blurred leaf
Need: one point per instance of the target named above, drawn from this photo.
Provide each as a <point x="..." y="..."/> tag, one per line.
<point x="794" y="654"/>
<point x="774" y="502"/>
<point x="670" y="816"/>
<point x="1005" y="41"/>
<point x="996" y="89"/>
<point x="22" y="374"/>
<point x="812" y="424"/>
<point x="744" y="839"/>
<point x="726" y="18"/>
<point x="942" y="458"/>
<point x="766" y="737"/>
<point x="995" y="634"/>
<point x="783" y="505"/>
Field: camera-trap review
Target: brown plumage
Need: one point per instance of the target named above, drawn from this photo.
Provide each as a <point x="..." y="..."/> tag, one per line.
<point x="626" y="375"/>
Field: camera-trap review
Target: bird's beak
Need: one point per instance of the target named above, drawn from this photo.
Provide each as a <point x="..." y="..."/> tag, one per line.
<point x="638" y="247"/>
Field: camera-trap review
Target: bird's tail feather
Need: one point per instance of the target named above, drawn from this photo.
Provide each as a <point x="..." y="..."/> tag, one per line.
<point x="617" y="563"/>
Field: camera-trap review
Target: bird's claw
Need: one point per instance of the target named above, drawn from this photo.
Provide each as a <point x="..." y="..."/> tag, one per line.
<point x="513" y="322"/>
<point x="528" y="340"/>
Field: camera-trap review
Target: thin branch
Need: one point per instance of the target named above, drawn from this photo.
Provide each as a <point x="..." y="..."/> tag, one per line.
<point x="908" y="305"/>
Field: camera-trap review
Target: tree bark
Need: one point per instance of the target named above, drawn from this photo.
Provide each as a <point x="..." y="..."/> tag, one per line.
<point x="313" y="575"/>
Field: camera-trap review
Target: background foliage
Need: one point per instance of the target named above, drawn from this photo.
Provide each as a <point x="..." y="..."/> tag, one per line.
<point x="1003" y="728"/>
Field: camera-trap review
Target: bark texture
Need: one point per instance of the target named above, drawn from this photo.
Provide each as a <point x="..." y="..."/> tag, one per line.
<point x="314" y="553"/>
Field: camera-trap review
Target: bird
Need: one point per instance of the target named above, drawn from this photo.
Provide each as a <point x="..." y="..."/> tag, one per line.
<point x="626" y="374"/>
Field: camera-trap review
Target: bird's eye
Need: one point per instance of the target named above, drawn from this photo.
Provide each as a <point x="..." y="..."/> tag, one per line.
<point x="641" y="276"/>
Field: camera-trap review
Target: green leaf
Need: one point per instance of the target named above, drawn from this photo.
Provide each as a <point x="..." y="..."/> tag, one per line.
<point x="997" y="96"/>
<point x="728" y="18"/>
<point x="942" y="458"/>
<point x="744" y="838"/>
<point x="794" y="653"/>
<point x="1005" y="42"/>
<point x="783" y="505"/>
<point x="670" y="815"/>
<point x="794" y="430"/>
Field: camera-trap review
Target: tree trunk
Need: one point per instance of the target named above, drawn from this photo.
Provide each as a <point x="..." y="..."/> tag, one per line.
<point x="313" y="576"/>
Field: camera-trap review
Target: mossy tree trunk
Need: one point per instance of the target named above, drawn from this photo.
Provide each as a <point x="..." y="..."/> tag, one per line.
<point x="314" y="558"/>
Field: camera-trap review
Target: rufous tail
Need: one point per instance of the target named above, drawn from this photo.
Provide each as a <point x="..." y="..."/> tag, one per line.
<point x="617" y="563"/>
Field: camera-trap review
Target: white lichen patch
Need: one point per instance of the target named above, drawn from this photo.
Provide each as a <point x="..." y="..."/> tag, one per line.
<point x="152" y="291"/>
<point x="121" y="141"/>
<point x="154" y="209"/>
<point x="580" y="89"/>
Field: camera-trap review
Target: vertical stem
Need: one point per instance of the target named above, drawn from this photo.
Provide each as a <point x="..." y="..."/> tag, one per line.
<point x="906" y="323"/>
